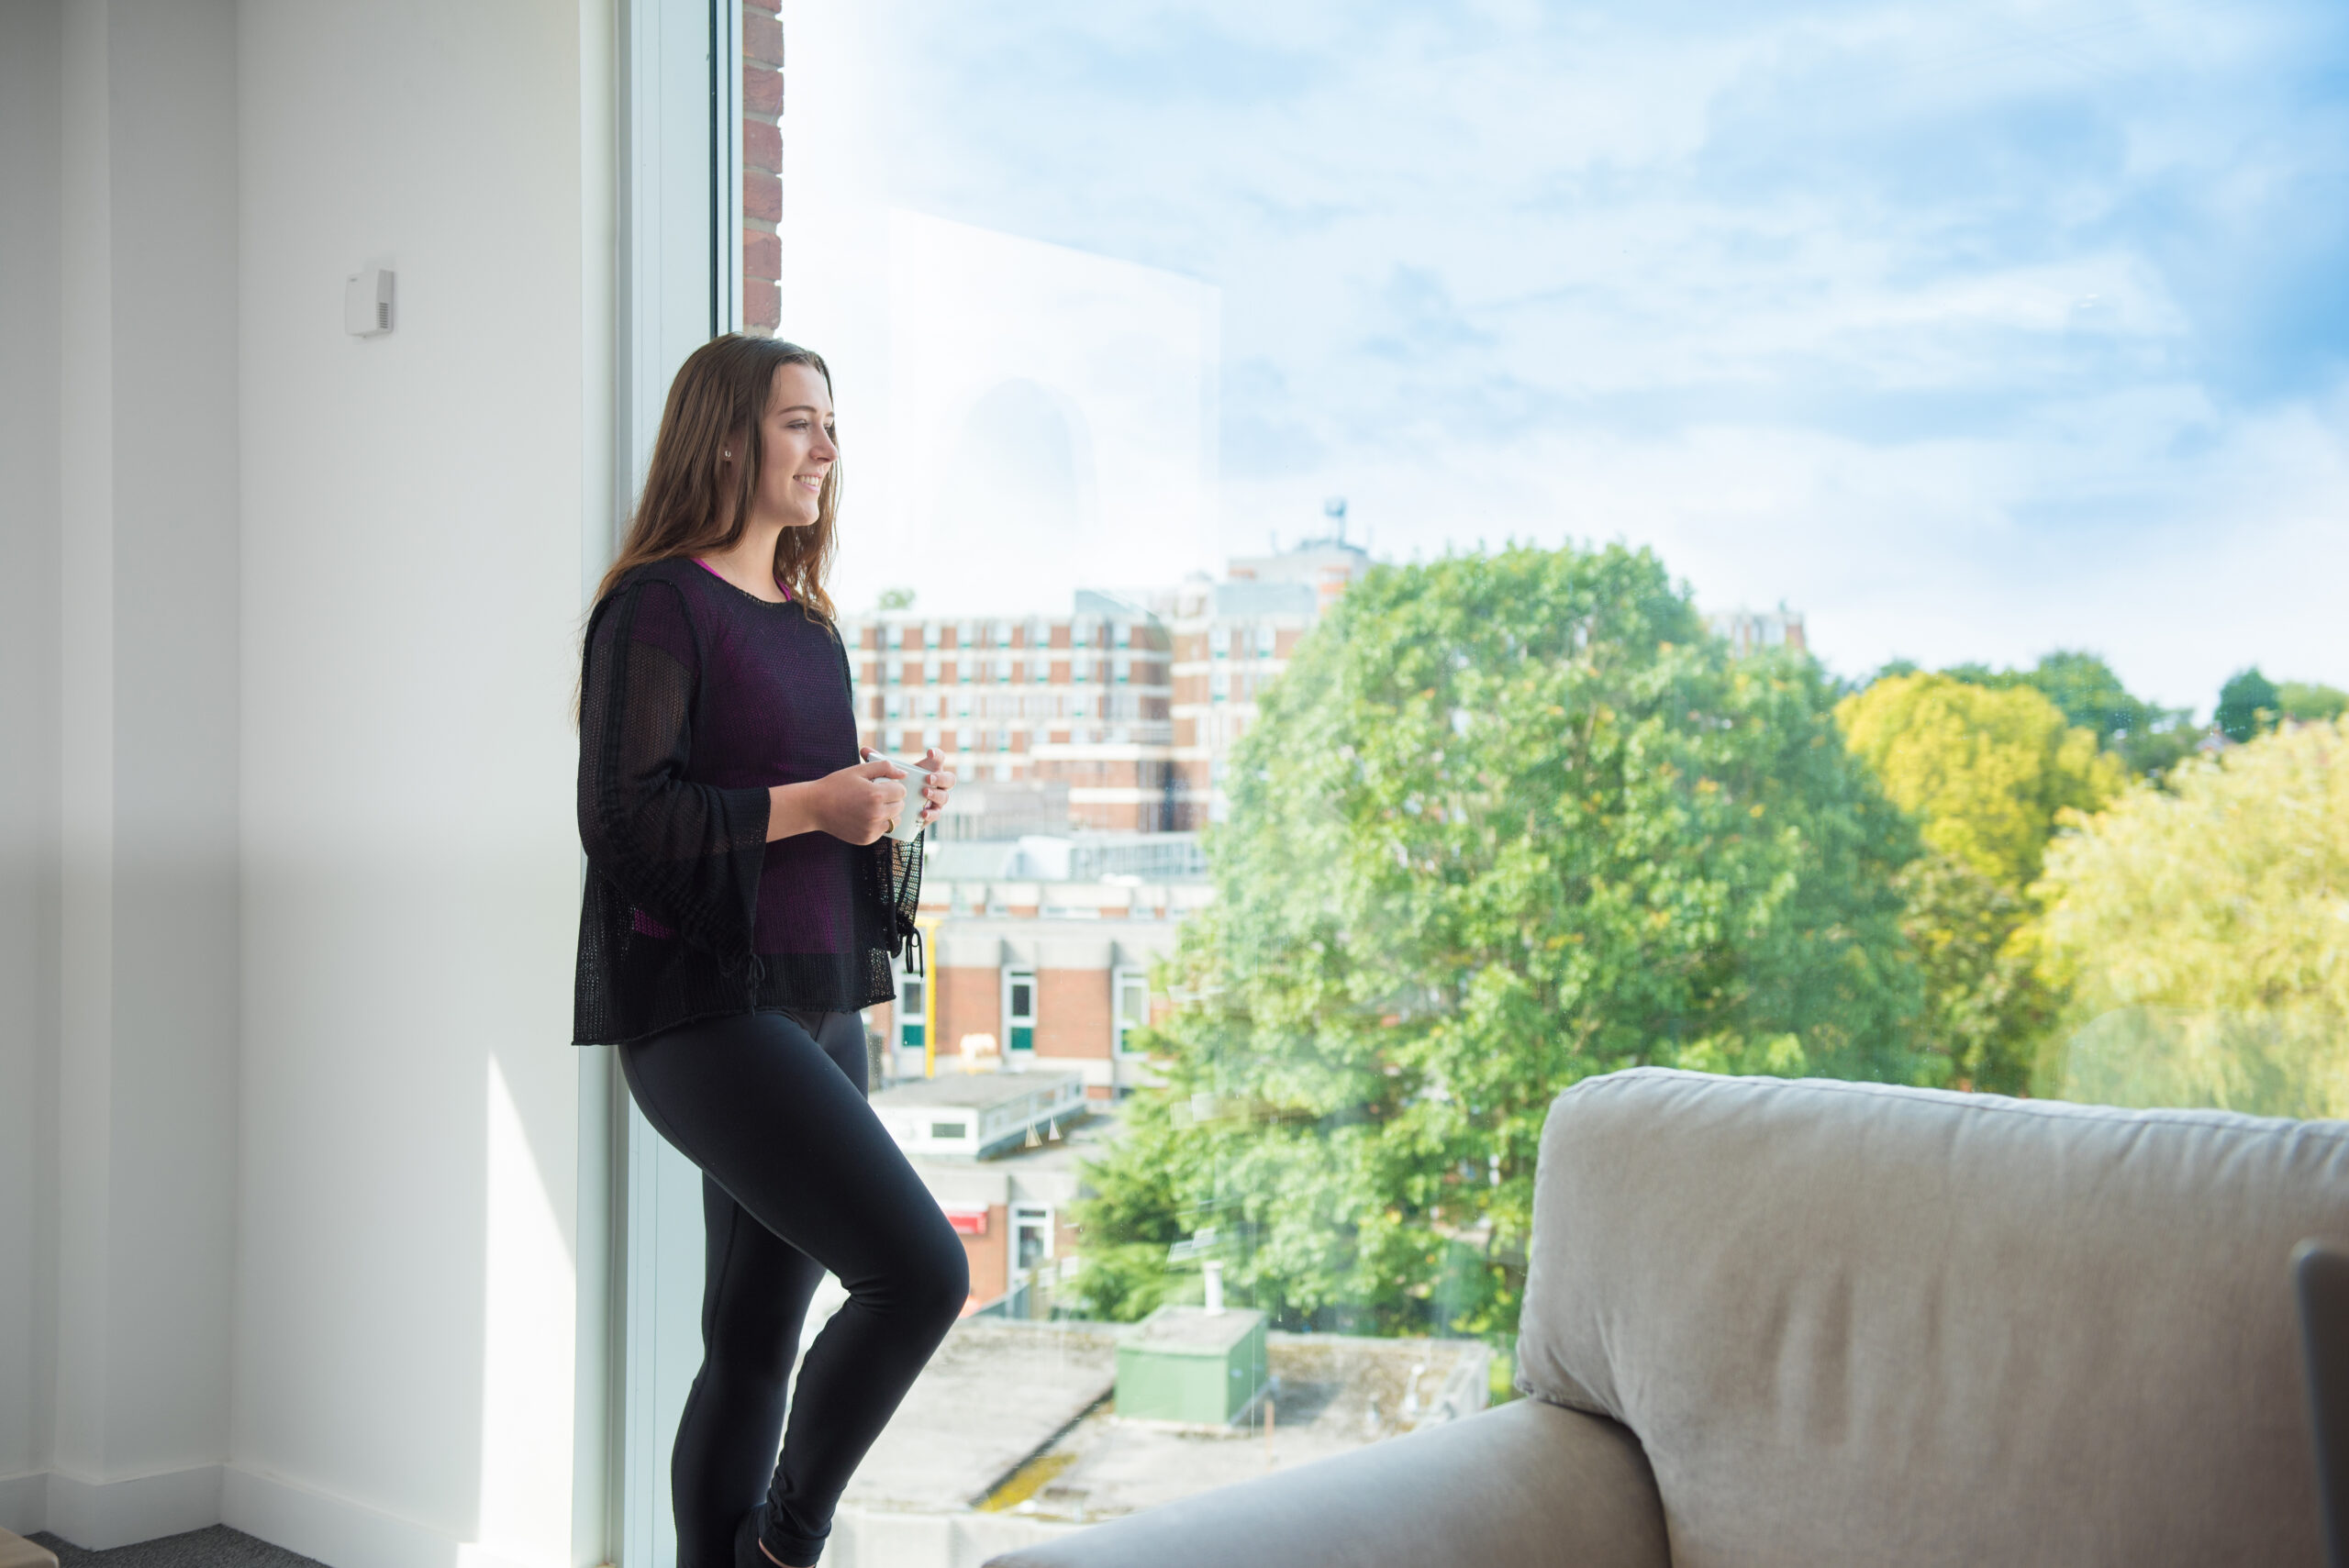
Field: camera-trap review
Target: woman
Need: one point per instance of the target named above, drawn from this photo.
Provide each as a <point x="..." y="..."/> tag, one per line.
<point x="742" y="903"/>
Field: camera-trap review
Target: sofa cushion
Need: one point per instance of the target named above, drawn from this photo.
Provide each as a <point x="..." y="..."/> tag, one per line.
<point x="1854" y="1323"/>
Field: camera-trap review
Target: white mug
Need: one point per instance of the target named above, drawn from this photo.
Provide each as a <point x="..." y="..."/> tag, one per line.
<point x="910" y="822"/>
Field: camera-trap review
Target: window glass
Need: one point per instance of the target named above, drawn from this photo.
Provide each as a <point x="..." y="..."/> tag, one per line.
<point x="1818" y="558"/>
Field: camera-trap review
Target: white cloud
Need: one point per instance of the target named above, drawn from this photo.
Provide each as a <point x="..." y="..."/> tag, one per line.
<point x="1971" y="331"/>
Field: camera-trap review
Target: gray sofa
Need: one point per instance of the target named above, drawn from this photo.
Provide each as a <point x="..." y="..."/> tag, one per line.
<point x="1816" y="1324"/>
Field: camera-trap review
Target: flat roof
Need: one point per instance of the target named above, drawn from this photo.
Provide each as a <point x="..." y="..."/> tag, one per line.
<point x="973" y="1091"/>
<point x="1188" y="1330"/>
<point x="1022" y="1412"/>
<point x="995" y="1392"/>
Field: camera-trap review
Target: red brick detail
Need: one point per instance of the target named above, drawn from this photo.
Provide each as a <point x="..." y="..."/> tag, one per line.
<point x="969" y="1001"/>
<point x="762" y="197"/>
<point x="767" y="6"/>
<point x="990" y="1258"/>
<point x="762" y="90"/>
<point x="763" y="146"/>
<point x="763" y="258"/>
<point x="762" y="33"/>
<point x="1072" y="1012"/>
<point x="761" y="303"/>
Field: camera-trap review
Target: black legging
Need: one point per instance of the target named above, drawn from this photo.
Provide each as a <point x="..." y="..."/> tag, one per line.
<point x="798" y="1177"/>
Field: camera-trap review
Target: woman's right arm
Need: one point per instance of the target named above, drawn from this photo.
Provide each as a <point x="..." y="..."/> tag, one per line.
<point x="686" y="854"/>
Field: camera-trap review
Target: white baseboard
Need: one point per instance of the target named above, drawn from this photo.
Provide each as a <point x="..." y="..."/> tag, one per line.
<point x="98" y="1515"/>
<point x="337" y="1531"/>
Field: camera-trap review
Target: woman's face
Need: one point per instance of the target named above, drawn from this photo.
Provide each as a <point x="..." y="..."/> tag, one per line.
<point x="795" y="448"/>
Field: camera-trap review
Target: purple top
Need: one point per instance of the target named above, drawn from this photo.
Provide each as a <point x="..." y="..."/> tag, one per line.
<point x="774" y="710"/>
<point x="698" y="699"/>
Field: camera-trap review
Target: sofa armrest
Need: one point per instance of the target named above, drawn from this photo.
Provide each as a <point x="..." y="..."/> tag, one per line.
<point x="1525" y="1485"/>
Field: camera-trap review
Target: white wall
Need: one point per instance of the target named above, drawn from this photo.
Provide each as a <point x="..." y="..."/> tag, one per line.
<point x="32" y="131"/>
<point x="118" y="1068"/>
<point x="290" y="1165"/>
<point x="412" y="540"/>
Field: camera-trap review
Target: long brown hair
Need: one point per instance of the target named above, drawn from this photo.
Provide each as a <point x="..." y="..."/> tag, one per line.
<point x="715" y="404"/>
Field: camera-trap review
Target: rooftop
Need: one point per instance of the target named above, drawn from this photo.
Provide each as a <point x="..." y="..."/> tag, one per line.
<point x="1015" y="1417"/>
<point x="979" y="1090"/>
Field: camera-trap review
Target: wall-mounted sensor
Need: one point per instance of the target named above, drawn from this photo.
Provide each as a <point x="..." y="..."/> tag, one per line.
<point x="367" y="303"/>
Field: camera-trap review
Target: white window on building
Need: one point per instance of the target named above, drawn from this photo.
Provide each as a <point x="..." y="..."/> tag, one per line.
<point x="889" y="707"/>
<point x="893" y="739"/>
<point x="910" y="1012"/>
<point x="1124" y="633"/>
<point x="897" y="636"/>
<point x="1124" y="668"/>
<point x="1267" y="642"/>
<point x="1129" y="1003"/>
<point x="1019" y="1010"/>
<point x="1219" y="687"/>
<point x="1031" y="1236"/>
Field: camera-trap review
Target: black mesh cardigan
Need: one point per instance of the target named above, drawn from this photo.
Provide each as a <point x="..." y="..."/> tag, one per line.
<point x="669" y="926"/>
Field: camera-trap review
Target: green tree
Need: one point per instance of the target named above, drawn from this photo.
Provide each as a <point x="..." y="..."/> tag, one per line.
<point x="2247" y="703"/>
<point x="2203" y="935"/>
<point x="2308" y="702"/>
<point x="1987" y="769"/>
<point x="1984" y="770"/>
<point x="1506" y="822"/>
<point x="897" y="599"/>
<point x="2150" y="739"/>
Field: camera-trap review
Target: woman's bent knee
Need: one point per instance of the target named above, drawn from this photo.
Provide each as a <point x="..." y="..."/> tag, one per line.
<point x="937" y="1289"/>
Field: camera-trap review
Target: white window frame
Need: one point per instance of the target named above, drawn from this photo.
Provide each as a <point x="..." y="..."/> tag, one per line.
<point x="1040" y="1215"/>
<point x="1121" y="978"/>
<point x="676" y="274"/>
<point x="1015" y="975"/>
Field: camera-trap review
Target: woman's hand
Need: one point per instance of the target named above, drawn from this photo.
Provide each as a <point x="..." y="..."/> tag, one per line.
<point x="856" y="805"/>
<point x="933" y="790"/>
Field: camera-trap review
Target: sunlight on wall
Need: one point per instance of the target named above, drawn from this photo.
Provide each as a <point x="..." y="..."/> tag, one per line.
<point x="527" y="1362"/>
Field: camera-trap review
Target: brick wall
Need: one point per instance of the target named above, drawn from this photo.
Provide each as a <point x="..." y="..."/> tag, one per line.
<point x="990" y="1258"/>
<point x="969" y="1001"/>
<point x="761" y="165"/>
<point x="1072" y="1013"/>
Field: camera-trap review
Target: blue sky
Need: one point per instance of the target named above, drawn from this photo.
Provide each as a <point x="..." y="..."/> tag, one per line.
<point x="1969" y="331"/>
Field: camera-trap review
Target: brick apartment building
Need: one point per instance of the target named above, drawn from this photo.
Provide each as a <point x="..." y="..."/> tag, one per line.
<point x="1752" y="631"/>
<point x="1132" y="700"/>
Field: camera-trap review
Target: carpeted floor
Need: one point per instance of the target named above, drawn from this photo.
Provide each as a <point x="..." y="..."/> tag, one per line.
<point x="215" y="1547"/>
